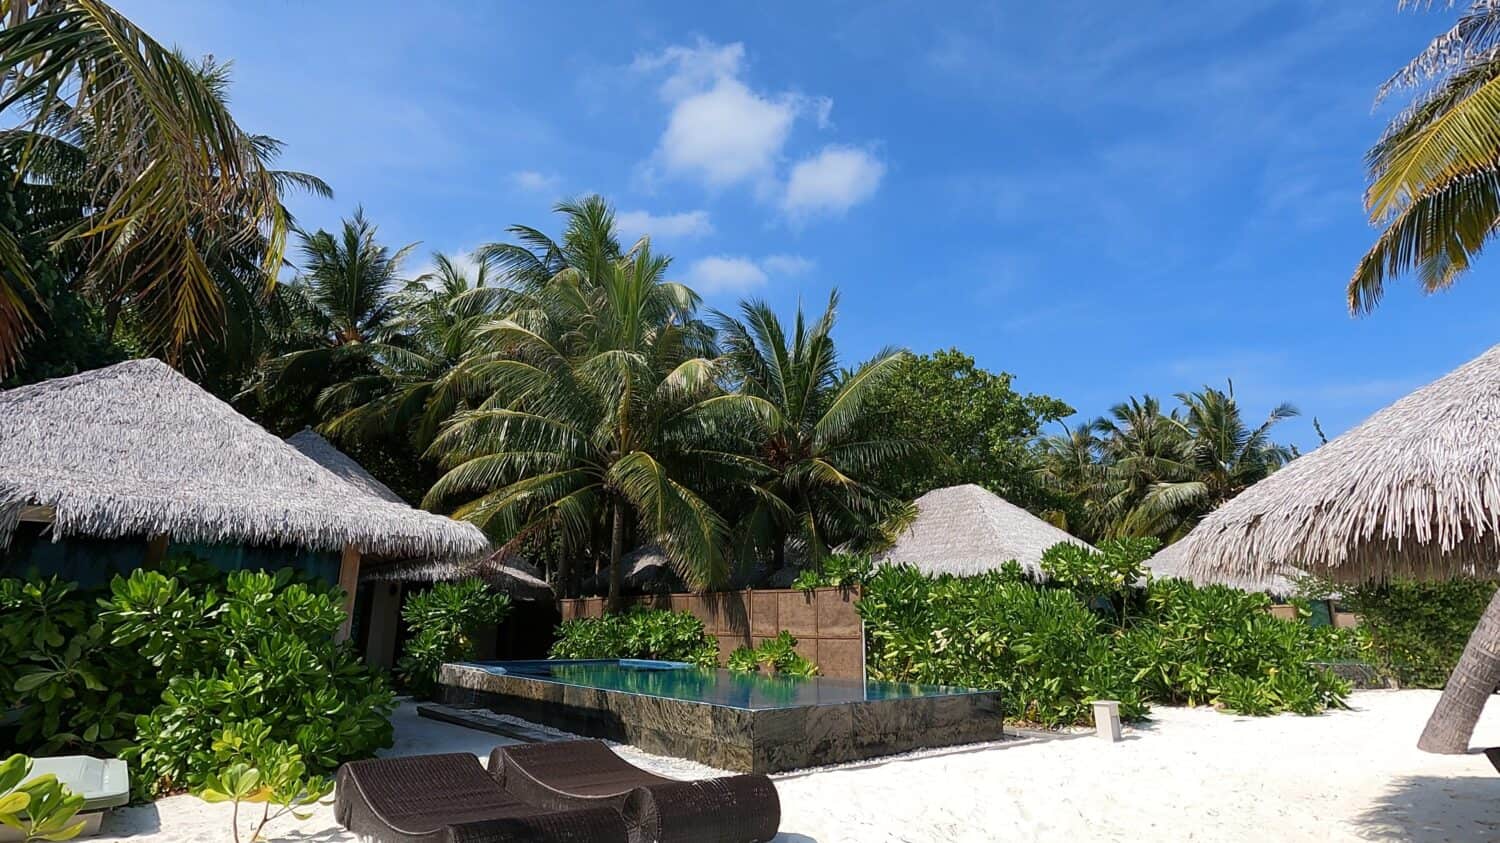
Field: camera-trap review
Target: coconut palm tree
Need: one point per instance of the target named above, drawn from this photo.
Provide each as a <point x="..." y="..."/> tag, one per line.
<point x="340" y="310"/>
<point x="1435" y="172"/>
<point x="1071" y="465"/>
<point x="604" y="407"/>
<point x="813" y="433"/>
<point x="1216" y="456"/>
<point x="419" y="379"/>
<point x="169" y="178"/>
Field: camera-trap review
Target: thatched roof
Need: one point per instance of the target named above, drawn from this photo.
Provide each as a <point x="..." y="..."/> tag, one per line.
<point x="1413" y="491"/>
<point x="644" y="570"/>
<point x="1169" y="563"/>
<point x="967" y="529"/>
<point x="322" y="452"/>
<point x="136" y="449"/>
<point x="510" y="576"/>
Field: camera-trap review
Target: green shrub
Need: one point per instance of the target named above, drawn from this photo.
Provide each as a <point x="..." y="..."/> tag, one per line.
<point x="250" y="767"/>
<point x="261" y="652"/>
<point x="1041" y="647"/>
<point x="839" y="570"/>
<point x="74" y="691"/>
<point x="1219" y="645"/>
<point x="442" y="622"/>
<point x="1418" y="629"/>
<point x="777" y="655"/>
<point x="1051" y="654"/>
<point x="638" y="633"/>
<point x="172" y="657"/>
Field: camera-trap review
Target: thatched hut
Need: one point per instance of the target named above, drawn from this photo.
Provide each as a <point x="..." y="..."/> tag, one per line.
<point x="968" y="529"/>
<point x="107" y="470"/>
<point x="1170" y="562"/>
<point x="1413" y="491"/>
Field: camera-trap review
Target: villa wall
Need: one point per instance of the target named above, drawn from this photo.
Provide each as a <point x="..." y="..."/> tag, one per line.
<point x="824" y="621"/>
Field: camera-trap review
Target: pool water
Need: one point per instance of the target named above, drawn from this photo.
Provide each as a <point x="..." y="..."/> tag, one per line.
<point x="682" y="681"/>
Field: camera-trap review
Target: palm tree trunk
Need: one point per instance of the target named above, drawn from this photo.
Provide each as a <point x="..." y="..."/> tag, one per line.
<point x="564" y="573"/>
<point x="1474" y="679"/>
<point x="616" y="548"/>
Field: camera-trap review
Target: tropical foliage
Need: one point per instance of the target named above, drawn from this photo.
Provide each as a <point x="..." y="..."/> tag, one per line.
<point x="638" y="633"/>
<point x="1418" y="630"/>
<point x="159" y="208"/>
<point x="1434" y="174"/>
<point x="156" y="669"/>
<point x="441" y="623"/>
<point x="1055" y="648"/>
<point x="1144" y="472"/>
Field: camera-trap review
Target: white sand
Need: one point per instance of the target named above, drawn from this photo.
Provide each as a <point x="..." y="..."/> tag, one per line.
<point x="1190" y="775"/>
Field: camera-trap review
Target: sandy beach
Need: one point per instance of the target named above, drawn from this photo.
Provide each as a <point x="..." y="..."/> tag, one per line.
<point x="1188" y="775"/>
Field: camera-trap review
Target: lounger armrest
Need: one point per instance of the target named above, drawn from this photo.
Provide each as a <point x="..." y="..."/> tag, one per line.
<point x="732" y="809"/>
<point x="585" y="825"/>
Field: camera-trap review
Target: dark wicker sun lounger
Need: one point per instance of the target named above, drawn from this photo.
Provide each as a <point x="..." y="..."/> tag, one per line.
<point x="451" y="799"/>
<point x="575" y="774"/>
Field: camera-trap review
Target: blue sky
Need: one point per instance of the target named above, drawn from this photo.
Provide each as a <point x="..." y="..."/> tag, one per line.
<point x="1103" y="199"/>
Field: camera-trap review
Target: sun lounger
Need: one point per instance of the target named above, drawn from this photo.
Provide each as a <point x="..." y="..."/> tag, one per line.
<point x="451" y="799"/>
<point x="1493" y="753"/>
<point x="575" y="774"/>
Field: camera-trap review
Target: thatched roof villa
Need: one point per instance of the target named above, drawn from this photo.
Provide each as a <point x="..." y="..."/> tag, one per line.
<point x="968" y="529"/>
<point x="1171" y="562"/>
<point x="1412" y="491"/>
<point x="139" y="456"/>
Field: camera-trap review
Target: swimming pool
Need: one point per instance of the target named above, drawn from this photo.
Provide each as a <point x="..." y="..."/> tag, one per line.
<point x="737" y="721"/>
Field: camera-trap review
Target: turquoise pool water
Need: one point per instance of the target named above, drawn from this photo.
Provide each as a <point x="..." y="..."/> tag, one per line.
<point x="682" y="681"/>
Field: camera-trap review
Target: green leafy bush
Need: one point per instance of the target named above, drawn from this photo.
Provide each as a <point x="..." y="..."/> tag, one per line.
<point x="261" y="652"/>
<point x="40" y="808"/>
<point x="1418" y="629"/>
<point x="172" y="657"/>
<point x="73" y="690"/>
<point x="250" y="767"/>
<point x="776" y="655"/>
<point x="443" y="621"/>
<point x="1106" y="577"/>
<point x="638" y="633"/>
<point x="1219" y="645"/>
<point x="1042" y="647"/>
<point x="839" y="570"/>
<point x="1053" y="649"/>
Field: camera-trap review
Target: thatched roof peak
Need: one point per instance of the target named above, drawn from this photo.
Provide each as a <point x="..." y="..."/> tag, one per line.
<point x="968" y="529"/>
<point x="136" y="449"/>
<point x="1414" y="490"/>
<point x="323" y="452"/>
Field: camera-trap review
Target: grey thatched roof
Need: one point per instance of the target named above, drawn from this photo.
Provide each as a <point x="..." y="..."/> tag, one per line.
<point x="967" y="529"/>
<point x="1169" y="562"/>
<point x="1412" y="491"/>
<point x="137" y="449"/>
<point x="646" y="569"/>
<point x="322" y="452"/>
<point x="509" y="576"/>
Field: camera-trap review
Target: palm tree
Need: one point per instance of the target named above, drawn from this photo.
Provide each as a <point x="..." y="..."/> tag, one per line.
<point x="1138" y="445"/>
<point x="340" y="310"/>
<point x="169" y="178"/>
<point x="419" y="379"/>
<point x="1217" y="457"/>
<point x="1070" y="465"/>
<point x="1435" y="172"/>
<point x="812" y="437"/>
<point x="604" y="408"/>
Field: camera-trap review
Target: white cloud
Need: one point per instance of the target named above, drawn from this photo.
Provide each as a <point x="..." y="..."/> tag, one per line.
<point x="535" y="182"/>
<point x="720" y="130"/>
<point x="726" y="134"/>
<point x="790" y="266"/>
<point x="833" y="181"/>
<point x="724" y="274"/>
<point x="634" y="224"/>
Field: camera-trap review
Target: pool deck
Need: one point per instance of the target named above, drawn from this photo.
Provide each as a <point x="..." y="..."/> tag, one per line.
<point x="764" y="740"/>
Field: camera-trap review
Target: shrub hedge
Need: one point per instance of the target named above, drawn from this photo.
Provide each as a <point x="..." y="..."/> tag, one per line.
<point x="169" y="661"/>
<point x="638" y="633"/>
<point x="1053" y="649"/>
<point x="1418" y="629"/>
